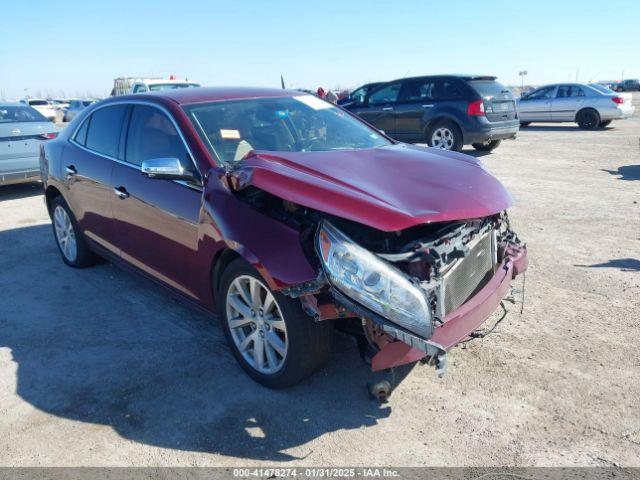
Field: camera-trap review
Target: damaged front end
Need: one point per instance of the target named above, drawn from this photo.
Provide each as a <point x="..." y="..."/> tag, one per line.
<point x="418" y="292"/>
<point x="411" y="285"/>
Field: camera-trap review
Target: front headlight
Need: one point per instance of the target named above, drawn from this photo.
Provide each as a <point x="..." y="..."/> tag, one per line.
<point x="372" y="282"/>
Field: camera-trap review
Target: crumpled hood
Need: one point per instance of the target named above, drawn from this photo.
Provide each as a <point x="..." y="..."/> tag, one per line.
<point x="390" y="188"/>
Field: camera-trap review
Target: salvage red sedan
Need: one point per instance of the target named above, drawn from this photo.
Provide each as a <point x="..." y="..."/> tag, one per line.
<point x="291" y="218"/>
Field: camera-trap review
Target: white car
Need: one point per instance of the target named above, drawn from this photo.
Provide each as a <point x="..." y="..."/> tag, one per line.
<point x="127" y="85"/>
<point x="43" y="106"/>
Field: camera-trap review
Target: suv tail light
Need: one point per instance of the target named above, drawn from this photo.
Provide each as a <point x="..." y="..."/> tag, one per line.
<point x="476" y="108"/>
<point x="49" y="136"/>
<point x="618" y="100"/>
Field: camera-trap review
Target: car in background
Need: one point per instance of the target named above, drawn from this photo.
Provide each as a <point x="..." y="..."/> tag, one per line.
<point x="630" y="85"/>
<point x="22" y="130"/>
<point x="128" y="85"/>
<point x="45" y="107"/>
<point x="591" y="106"/>
<point x="357" y="96"/>
<point x="75" y="107"/>
<point x="444" y="111"/>
<point x="290" y="218"/>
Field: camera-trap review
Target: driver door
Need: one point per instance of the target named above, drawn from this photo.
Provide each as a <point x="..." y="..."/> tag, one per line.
<point x="536" y="107"/>
<point x="379" y="108"/>
<point x="156" y="220"/>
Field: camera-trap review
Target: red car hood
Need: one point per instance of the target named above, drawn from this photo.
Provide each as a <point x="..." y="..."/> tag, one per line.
<point x="389" y="188"/>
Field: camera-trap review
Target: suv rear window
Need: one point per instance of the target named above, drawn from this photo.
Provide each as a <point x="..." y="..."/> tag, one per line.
<point x="488" y="88"/>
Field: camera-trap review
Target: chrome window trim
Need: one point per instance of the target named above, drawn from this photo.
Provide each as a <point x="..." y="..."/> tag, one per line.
<point x="131" y="165"/>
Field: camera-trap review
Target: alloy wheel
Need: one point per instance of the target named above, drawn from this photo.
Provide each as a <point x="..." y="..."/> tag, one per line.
<point x="65" y="234"/>
<point x="442" y="138"/>
<point x="256" y="324"/>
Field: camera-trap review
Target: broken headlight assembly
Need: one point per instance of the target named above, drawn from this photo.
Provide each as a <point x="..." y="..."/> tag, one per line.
<point x="371" y="282"/>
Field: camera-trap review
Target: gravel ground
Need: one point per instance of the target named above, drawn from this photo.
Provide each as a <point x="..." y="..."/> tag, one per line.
<point x="99" y="368"/>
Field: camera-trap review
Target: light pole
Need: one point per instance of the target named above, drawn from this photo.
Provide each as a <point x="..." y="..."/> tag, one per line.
<point x="522" y="74"/>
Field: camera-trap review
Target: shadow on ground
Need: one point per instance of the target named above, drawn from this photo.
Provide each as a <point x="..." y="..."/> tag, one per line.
<point x="104" y="346"/>
<point x="624" y="264"/>
<point x="562" y="127"/>
<point x="626" y="172"/>
<point x="22" y="190"/>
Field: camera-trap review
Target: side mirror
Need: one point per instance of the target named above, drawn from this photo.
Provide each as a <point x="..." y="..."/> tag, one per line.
<point x="166" y="168"/>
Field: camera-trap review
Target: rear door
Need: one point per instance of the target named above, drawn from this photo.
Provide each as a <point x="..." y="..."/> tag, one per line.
<point x="566" y="103"/>
<point x="379" y="108"/>
<point x="536" y="106"/>
<point x="87" y="165"/>
<point x="416" y="102"/>
<point x="157" y="220"/>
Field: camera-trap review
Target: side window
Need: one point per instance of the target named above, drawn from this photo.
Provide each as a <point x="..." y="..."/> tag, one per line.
<point x="563" y="91"/>
<point x="81" y="134"/>
<point x="446" y="90"/>
<point x="577" y="91"/>
<point x="104" y="131"/>
<point x="152" y="135"/>
<point x="418" y="90"/>
<point x="139" y="89"/>
<point x="542" y="93"/>
<point x="387" y="94"/>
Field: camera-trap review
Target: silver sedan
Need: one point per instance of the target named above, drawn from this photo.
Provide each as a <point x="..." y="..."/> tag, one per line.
<point x="590" y="106"/>
<point x="22" y="129"/>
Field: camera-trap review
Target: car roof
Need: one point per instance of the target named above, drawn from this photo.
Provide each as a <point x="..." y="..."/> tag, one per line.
<point x="185" y="96"/>
<point x="461" y="76"/>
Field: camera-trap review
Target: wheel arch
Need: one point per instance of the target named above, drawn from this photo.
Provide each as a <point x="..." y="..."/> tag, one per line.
<point x="445" y="117"/>
<point x="584" y="109"/>
<point x="50" y="194"/>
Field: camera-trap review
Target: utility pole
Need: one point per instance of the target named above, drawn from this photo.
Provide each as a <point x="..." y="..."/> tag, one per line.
<point x="522" y="74"/>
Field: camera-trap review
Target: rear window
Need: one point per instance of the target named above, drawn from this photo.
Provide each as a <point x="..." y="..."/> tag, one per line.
<point x="601" y="88"/>
<point x="14" y="114"/>
<point x="171" y="86"/>
<point x="38" y="103"/>
<point x="489" y="88"/>
<point x="104" y="130"/>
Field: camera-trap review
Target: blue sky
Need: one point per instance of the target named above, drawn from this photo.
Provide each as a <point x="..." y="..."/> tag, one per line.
<point x="78" y="47"/>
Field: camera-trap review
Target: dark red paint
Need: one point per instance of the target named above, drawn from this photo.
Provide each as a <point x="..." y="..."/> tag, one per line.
<point x="176" y="234"/>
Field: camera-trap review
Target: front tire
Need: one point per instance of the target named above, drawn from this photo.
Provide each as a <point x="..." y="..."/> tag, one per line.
<point x="275" y="342"/>
<point x="445" y="135"/>
<point x="68" y="235"/>
<point x="487" y="146"/>
<point x="588" y="119"/>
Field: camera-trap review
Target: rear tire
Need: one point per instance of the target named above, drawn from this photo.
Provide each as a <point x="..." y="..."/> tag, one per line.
<point x="588" y="119"/>
<point x="287" y="345"/>
<point x="605" y="123"/>
<point x="69" y="237"/>
<point x="487" y="146"/>
<point x="446" y="135"/>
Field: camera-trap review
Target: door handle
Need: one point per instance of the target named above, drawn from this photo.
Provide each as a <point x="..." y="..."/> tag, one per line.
<point x="71" y="170"/>
<point x="121" y="192"/>
<point x="386" y="109"/>
<point x="428" y="106"/>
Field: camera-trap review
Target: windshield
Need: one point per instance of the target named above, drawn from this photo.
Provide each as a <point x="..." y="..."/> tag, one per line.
<point x="13" y="114"/>
<point x="601" y="88"/>
<point x="170" y="86"/>
<point x="288" y="124"/>
<point x="38" y="103"/>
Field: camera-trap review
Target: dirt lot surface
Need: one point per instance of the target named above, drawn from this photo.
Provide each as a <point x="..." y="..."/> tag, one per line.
<point x="99" y="367"/>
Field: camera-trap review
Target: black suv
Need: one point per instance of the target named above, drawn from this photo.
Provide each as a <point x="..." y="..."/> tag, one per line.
<point x="444" y="111"/>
